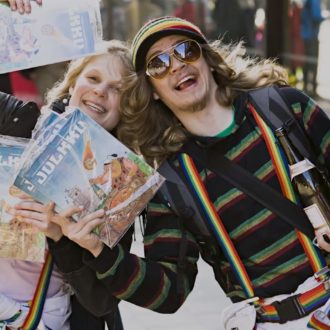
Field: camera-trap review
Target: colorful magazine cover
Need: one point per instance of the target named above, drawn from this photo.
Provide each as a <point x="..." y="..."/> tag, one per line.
<point x="17" y="240"/>
<point x="57" y="31"/>
<point x="84" y="165"/>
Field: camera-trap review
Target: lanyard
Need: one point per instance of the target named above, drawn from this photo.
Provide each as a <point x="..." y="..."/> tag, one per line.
<point x="37" y="304"/>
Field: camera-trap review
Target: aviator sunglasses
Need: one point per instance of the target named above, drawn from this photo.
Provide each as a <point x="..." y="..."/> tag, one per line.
<point x="186" y="51"/>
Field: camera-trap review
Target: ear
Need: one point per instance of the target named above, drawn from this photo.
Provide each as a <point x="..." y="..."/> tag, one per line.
<point x="155" y="96"/>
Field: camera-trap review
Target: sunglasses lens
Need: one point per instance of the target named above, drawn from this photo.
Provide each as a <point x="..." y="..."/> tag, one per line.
<point x="159" y="65"/>
<point x="188" y="51"/>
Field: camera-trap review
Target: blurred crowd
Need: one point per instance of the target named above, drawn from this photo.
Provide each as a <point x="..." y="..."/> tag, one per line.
<point x="231" y="20"/>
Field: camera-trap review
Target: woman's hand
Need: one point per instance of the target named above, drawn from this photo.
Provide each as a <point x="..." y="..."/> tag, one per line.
<point x="81" y="231"/>
<point x="22" y="6"/>
<point x="322" y="235"/>
<point x="39" y="216"/>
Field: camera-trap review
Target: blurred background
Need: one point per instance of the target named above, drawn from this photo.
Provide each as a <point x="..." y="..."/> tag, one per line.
<point x="292" y="31"/>
<point x="295" y="32"/>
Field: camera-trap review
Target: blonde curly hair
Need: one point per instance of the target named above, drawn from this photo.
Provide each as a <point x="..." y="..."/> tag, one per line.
<point x="114" y="47"/>
<point x="151" y="129"/>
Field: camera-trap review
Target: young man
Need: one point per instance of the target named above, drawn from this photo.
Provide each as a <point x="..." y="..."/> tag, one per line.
<point x="190" y="93"/>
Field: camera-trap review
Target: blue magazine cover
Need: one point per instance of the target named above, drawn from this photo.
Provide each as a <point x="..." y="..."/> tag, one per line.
<point x="17" y="240"/>
<point x="84" y="165"/>
<point x="54" y="32"/>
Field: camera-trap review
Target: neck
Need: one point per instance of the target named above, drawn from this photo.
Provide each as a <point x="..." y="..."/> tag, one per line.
<point x="209" y="121"/>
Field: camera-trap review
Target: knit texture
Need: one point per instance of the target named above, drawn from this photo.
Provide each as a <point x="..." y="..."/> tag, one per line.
<point x="157" y="29"/>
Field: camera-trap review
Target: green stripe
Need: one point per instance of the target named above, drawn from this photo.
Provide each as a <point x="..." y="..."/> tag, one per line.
<point x="162" y="297"/>
<point x="233" y="193"/>
<point x="272" y="250"/>
<point x="280" y="270"/>
<point x="164" y="233"/>
<point x="296" y="107"/>
<point x="243" y="145"/>
<point x="325" y="143"/>
<point x="158" y="208"/>
<point x="310" y="108"/>
<point x="250" y="223"/>
<point x="111" y="271"/>
<point x="135" y="283"/>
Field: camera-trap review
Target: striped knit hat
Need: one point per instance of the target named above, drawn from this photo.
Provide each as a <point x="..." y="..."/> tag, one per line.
<point x="157" y="29"/>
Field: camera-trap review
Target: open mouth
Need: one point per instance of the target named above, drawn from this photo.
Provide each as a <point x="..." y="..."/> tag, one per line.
<point x="185" y="83"/>
<point x="94" y="107"/>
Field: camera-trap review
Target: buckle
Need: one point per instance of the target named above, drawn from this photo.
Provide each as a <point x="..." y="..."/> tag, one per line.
<point x="324" y="271"/>
<point x="289" y="309"/>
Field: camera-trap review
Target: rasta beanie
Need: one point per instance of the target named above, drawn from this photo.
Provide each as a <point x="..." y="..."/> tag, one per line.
<point x="157" y="29"/>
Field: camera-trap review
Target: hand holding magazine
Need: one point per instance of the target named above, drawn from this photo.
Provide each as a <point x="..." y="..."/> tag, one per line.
<point x="84" y="165"/>
<point x="57" y="31"/>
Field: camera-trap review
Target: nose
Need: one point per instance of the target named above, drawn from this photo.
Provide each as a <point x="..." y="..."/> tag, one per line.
<point x="176" y="65"/>
<point x="101" y="90"/>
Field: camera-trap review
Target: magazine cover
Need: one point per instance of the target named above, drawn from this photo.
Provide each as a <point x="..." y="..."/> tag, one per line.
<point x="17" y="240"/>
<point x="54" y="32"/>
<point x="84" y="165"/>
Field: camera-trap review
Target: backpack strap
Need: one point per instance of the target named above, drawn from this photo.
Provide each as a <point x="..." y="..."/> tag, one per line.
<point x="273" y="109"/>
<point x="177" y="196"/>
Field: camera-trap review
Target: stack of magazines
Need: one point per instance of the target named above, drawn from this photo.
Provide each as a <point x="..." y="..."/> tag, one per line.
<point x="17" y="240"/>
<point x="57" y="31"/>
<point x="73" y="161"/>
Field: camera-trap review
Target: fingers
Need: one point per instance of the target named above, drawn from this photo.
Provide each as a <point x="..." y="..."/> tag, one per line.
<point x="22" y="6"/>
<point x="323" y="236"/>
<point x="81" y="231"/>
<point x="32" y="206"/>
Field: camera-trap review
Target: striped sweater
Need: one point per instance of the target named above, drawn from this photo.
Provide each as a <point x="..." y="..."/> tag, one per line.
<point x="267" y="245"/>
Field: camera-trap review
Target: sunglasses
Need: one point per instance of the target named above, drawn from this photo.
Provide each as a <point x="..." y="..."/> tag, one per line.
<point x="187" y="51"/>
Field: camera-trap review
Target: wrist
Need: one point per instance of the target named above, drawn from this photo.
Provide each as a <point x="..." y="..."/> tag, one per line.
<point x="97" y="250"/>
<point x="56" y="237"/>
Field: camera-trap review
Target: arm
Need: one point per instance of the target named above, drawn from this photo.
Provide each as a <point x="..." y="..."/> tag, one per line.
<point x="150" y="282"/>
<point x="17" y="118"/>
<point x="89" y="291"/>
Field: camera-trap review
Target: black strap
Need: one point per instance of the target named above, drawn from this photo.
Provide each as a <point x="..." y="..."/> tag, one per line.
<point x="273" y="109"/>
<point x="251" y="186"/>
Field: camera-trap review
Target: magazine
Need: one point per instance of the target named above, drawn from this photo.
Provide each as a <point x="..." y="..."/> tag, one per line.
<point x="57" y="31"/>
<point x="17" y="240"/>
<point x="84" y="165"/>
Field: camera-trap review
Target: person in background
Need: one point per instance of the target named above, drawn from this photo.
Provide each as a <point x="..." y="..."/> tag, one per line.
<point x="311" y="18"/>
<point x="94" y="84"/>
<point x="193" y="93"/>
<point x="185" y="9"/>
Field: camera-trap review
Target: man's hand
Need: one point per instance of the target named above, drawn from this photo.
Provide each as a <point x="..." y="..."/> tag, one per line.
<point x="22" y="6"/>
<point x="322" y="235"/>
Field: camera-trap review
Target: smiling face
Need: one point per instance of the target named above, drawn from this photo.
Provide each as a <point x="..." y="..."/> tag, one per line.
<point x="188" y="87"/>
<point x="96" y="90"/>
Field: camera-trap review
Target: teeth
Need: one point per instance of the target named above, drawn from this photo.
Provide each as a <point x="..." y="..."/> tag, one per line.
<point x="98" y="108"/>
<point x="183" y="80"/>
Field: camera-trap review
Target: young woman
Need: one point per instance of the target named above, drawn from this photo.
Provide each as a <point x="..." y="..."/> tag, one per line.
<point x="94" y="84"/>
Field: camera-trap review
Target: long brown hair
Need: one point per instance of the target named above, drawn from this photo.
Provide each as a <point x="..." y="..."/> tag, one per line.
<point x="150" y="128"/>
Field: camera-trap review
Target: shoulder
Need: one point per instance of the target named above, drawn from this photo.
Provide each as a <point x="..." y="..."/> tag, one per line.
<point x="17" y="118"/>
<point x="293" y="95"/>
